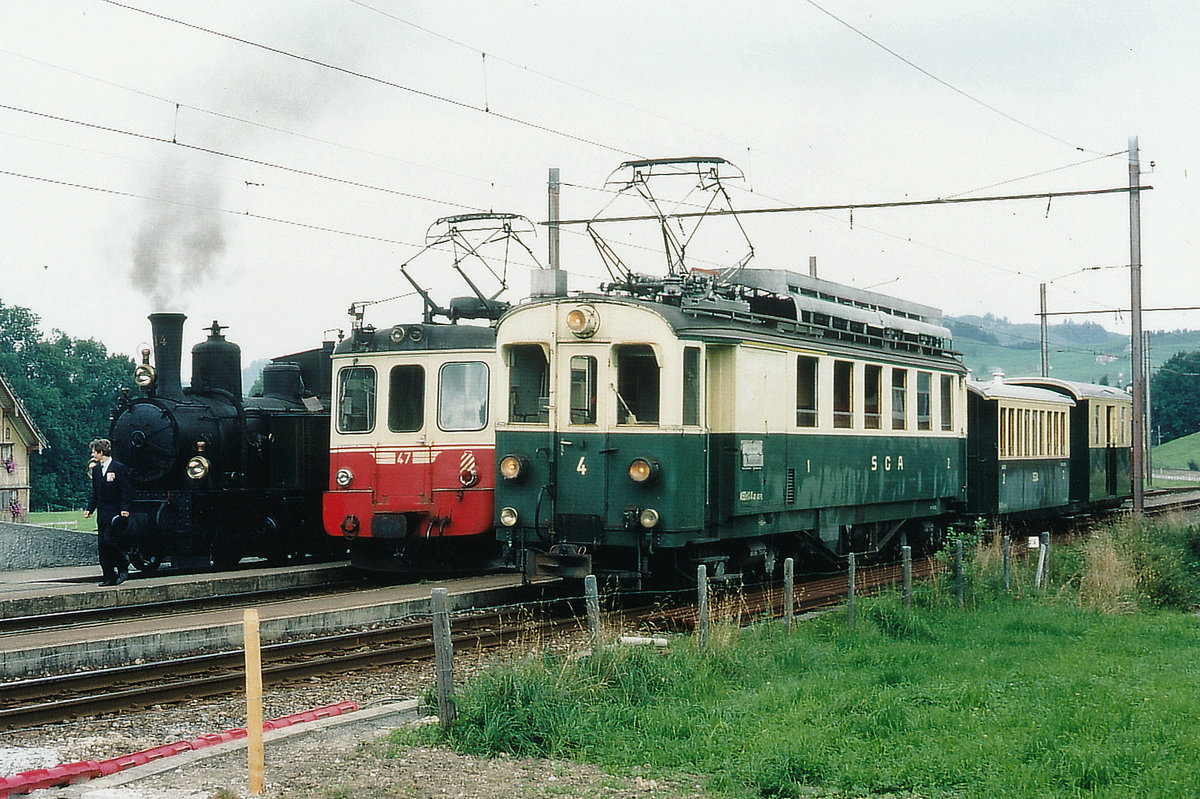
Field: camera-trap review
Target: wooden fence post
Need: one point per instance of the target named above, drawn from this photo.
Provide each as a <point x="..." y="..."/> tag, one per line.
<point x="1007" y="563"/>
<point x="702" y="604"/>
<point x="1042" y="581"/>
<point x="958" y="568"/>
<point x="789" y="593"/>
<point x="592" y="595"/>
<point x="906" y="558"/>
<point x="850" y="593"/>
<point x="254" y="710"/>
<point x="443" y="656"/>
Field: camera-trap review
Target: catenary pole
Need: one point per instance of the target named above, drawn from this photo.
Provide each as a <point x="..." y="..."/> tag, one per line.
<point x="1135" y="305"/>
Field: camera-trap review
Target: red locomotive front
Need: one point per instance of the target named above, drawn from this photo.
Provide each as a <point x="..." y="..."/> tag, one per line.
<point x="412" y="455"/>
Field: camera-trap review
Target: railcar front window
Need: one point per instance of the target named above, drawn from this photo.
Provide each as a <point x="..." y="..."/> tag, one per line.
<point x="899" y="399"/>
<point x="637" y="385"/>
<point x="463" y="396"/>
<point x="843" y="382"/>
<point x="583" y="389"/>
<point x="924" y="401"/>
<point x="356" y="399"/>
<point x="528" y="384"/>
<point x="873" y="377"/>
<point x="406" y="398"/>
<point x="806" y="391"/>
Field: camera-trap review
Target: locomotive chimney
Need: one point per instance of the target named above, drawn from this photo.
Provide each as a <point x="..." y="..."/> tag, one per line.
<point x="167" y="330"/>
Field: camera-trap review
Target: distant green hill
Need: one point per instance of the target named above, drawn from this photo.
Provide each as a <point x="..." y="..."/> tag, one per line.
<point x="1182" y="453"/>
<point x="1077" y="351"/>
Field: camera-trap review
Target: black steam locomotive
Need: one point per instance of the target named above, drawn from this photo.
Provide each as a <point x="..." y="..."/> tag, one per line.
<point x="218" y="477"/>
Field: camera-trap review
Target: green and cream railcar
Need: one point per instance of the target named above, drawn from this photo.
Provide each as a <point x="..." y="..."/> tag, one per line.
<point x="1018" y="450"/>
<point x="798" y="418"/>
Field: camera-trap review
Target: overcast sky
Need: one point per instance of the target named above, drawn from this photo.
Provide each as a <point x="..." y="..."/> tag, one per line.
<point x="269" y="163"/>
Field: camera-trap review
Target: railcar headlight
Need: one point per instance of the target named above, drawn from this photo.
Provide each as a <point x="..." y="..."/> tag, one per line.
<point x="198" y="467"/>
<point x="397" y="334"/>
<point x="344" y="478"/>
<point x="513" y="467"/>
<point x="583" y="321"/>
<point x="643" y="471"/>
<point x="468" y="478"/>
<point x="508" y="517"/>
<point x="143" y="375"/>
<point x="648" y="518"/>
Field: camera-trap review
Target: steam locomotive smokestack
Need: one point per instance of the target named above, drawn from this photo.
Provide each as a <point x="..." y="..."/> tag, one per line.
<point x="167" y="329"/>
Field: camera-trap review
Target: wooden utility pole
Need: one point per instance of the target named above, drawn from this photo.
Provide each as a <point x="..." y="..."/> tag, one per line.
<point x="1135" y="298"/>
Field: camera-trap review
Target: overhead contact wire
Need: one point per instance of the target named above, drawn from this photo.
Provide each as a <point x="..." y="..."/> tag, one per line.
<point x="374" y="79"/>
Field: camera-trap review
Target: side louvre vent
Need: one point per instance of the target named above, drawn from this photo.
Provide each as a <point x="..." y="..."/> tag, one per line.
<point x="789" y="490"/>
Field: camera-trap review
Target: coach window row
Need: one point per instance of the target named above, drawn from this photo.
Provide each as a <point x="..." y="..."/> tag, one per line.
<point x="1032" y="433"/>
<point x="1110" y="425"/>
<point x="462" y="400"/>
<point x="880" y="386"/>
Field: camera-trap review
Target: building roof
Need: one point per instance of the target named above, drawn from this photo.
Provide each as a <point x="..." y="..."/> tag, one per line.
<point x="10" y="401"/>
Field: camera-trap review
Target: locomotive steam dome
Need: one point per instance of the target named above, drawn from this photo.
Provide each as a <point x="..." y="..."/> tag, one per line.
<point x="217" y="364"/>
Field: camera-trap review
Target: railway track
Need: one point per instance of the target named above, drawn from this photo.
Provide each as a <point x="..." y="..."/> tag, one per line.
<point x="59" y="698"/>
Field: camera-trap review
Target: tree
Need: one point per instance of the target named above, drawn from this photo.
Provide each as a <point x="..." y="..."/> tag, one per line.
<point x="1175" y="395"/>
<point x="69" y="387"/>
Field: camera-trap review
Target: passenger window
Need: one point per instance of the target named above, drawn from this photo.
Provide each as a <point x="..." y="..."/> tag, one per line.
<point x="947" y="402"/>
<point x="406" y="398"/>
<point x="463" y="396"/>
<point x="899" y="399"/>
<point x="528" y="384"/>
<point x="924" y="401"/>
<point x="806" y="391"/>
<point x="356" y="399"/>
<point x="691" y="385"/>
<point x="873" y="378"/>
<point x="583" y="389"/>
<point x="843" y="395"/>
<point x="637" y="385"/>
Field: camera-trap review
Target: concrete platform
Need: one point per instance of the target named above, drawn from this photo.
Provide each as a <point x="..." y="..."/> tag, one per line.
<point x="85" y="647"/>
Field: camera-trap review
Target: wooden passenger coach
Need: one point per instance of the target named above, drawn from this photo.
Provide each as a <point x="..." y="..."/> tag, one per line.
<point x="1018" y="450"/>
<point x="1101" y="441"/>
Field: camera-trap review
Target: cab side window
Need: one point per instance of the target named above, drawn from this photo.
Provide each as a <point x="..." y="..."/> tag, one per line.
<point x="463" y="396"/>
<point x="356" y="400"/>
<point x="528" y="384"/>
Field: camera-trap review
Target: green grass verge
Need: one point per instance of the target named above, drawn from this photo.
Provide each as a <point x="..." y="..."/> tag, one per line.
<point x="45" y="517"/>
<point x="1018" y="695"/>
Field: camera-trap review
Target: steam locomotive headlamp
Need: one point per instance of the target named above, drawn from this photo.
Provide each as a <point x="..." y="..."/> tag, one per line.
<point x="344" y="478"/>
<point x="514" y="467"/>
<point x="583" y="321"/>
<point x="508" y="517"/>
<point x="198" y="467"/>
<point x="143" y="373"/>
<point x="643" y="471"/>
<point x="648" y="518"/>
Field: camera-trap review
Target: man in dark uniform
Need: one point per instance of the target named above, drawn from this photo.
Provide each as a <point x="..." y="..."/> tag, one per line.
<point x="111" y="498"/>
